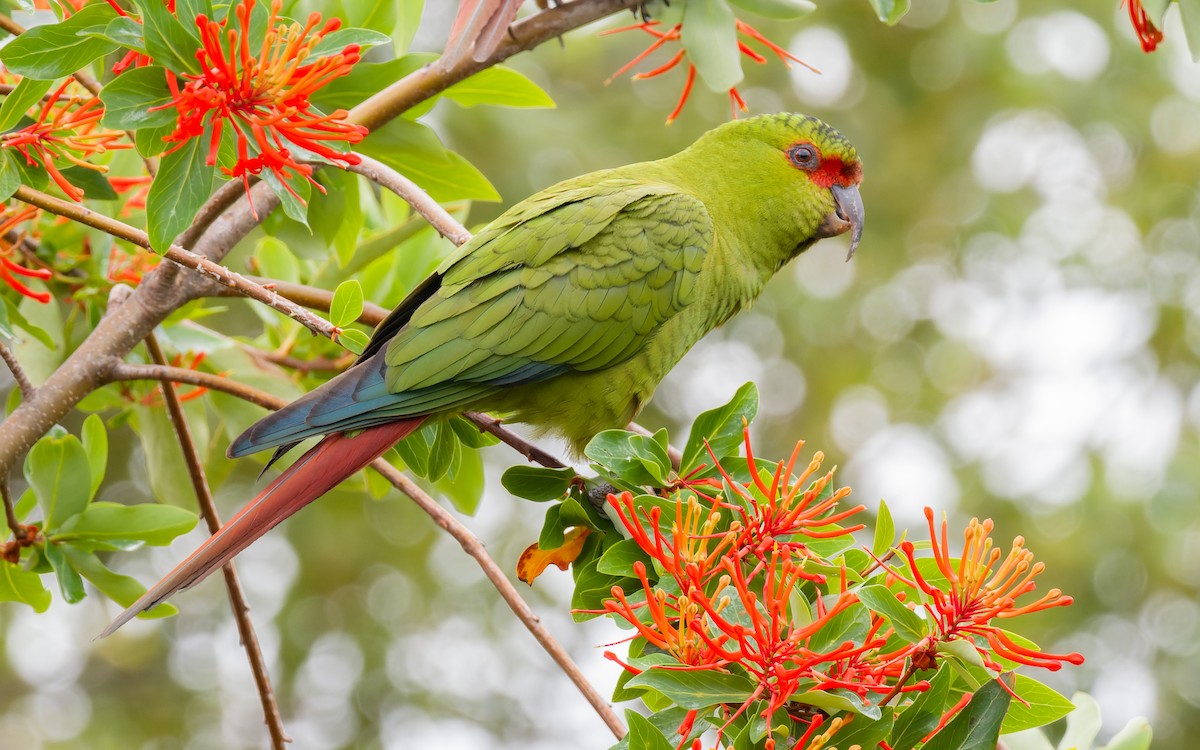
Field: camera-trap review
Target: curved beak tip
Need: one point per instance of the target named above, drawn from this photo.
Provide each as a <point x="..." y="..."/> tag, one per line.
<point x="850" y="209"/>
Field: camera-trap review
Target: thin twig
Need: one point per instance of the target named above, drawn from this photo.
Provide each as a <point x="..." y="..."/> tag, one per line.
<point x="237" y="597"/>
<point x="17" y="371"/>
<point x="123" y="371"/>
<point x="186" y="258"/>
<point x="318" y="299"/>
<point x="217" y="203"/>
<point x="11" y="26"/>
<point x="473" y="547"/>
<point x="409" y="191"/>
<point x="492" y="425"/>
<point x="10" y="512"/>
<point x="469" y="542"/>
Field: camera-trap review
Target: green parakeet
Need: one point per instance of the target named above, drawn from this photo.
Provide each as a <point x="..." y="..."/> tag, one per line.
<point x="566" y="311"/>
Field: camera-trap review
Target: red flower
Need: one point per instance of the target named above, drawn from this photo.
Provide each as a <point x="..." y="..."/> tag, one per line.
<point x="10" y="241"/>
<point x="1148" y="34"/>
<point x="673" y="35"/>
<point x="66" y="128"/>
<point x="262" y="89"/>
<point x="979" y="591"/>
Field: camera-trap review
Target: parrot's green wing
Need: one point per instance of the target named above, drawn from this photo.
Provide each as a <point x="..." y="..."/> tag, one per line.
<point x="577" y="279"/>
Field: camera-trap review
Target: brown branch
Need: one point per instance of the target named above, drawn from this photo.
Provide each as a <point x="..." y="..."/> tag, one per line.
<point x="11" y="26"/>
<point x="319" y="299"/>
<point x="123" y="371"/>
<point x="217" y="203"/>
<point x="186" y="258"/>
<point x="237" y="597"/>
<point x="17" y="371"/>
<point x="492" y="425"/>
<point x="412" y="194"/>
<point x="469" y="542"/>
<point x="432" y="79"/>
<point x="10" y="513"/>
<point x="473" y="547"/>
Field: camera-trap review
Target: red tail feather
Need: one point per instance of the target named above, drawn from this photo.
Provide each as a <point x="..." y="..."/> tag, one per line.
<point x="315" y="473"/>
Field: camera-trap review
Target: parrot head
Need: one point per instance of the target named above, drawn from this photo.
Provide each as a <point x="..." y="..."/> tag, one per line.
<point x="800" y="161"/>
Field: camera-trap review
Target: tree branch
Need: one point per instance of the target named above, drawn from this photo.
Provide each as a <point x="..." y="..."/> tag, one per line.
<point x="10" y="513"/>
<point x="381" y="174"/>
<point x="18" y="373"/>
<point x="473" y="547"/>
<point x="237" y="597"/>
<point x="186" y="258"/>
<point x="492" y="425"/>
<point x="469" y="542"/>
<point x="123" y="371"/>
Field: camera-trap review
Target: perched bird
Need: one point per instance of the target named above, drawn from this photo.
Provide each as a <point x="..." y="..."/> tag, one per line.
<point x="565" y="312"/>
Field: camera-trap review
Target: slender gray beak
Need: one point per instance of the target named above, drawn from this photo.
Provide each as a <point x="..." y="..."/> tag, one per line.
<point x="850" y="210"/>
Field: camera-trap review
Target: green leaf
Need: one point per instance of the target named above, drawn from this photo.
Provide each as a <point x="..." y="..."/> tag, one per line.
<point x="337" y="216"/>
<point x="696" y="689"/>
<point x="182" y="185"/>
<point x="618" y="559"/>
<point x="722" y="427"/>
<point x="1044" y="706"/>
<point x="441" y="453"/>
<point x="885" y="531"/>
<point x="162" y="457"/>
<point x="413" y="149"/>
<point x="537" y="483"/>
<point x="120" y="588"/>
<point x="710" y="37"/>
<point x="1083" y="724"/>
<point x="17" y="585"/>
<point x="783" y="10"/>
<point x="93" y="183"/>
<point x="636" y="459"/>
<point x="353" y="340"/>
<point x="976" y="727"/>
<point x="69" y="581"/>
<point x="463" y="484"/>
<point x="867" y="734"/>
<point x="890" y="11"/>
<point x="57" y="469"/>
<point x="1136" y="735"/>
<point x="149" y="140"/>
<point x="405" y="27"/>
<point x="643" y="735"/>
<point x="335" y="42"/>
<point x="113" y="523"/>
<point x="295" y="201"/>
<point x="922" y="716"/>
<point x="347" y="303"/>
<point x="276" y="260"/>
<point x="95" y="447"/>
<point x="498" y="86"/>
<point x="28" y="92"/>
<point x="59" y="49"/>
<point x="131" y="100"/>
<point x="851" y="624"/>
<point x="906" y="623"/>
<point x="839" y="699"/>
<point x="963" y="650"/>
<point x="169" y="40"/>
<point x="126" y="32"/>
<point x="10" y="180"/>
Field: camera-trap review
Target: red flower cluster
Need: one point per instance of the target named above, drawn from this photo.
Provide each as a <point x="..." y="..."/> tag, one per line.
<point x="1148" y="34"/>
<point x="674" y="34"/>
<point x="979" y="591"/>
<point x="262" y="91"/>
<point x="733" y="565"/>
<point x="66" y="128"/>
<point x="11" y="240"/>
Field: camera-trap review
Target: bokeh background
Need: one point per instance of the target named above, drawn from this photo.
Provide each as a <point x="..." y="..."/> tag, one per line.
<point x="1018" y="338"/>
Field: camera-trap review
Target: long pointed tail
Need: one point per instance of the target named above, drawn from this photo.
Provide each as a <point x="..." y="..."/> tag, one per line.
<point x="315" y="473"/>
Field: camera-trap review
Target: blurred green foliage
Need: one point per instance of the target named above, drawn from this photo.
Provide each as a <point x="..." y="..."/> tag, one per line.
<point x="1018" y="337"/>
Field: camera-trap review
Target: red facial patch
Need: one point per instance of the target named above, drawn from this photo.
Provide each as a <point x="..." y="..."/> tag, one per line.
<point x="829" y="171"/>
<point x="833" y="171"/>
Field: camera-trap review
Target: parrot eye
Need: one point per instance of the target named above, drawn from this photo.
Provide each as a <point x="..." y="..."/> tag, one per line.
<point x="804" y="155"/>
